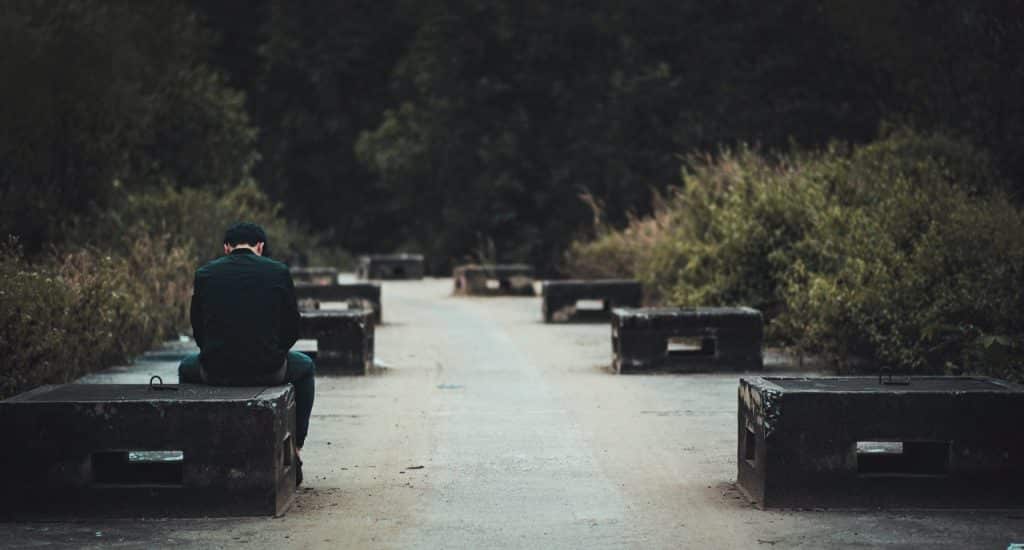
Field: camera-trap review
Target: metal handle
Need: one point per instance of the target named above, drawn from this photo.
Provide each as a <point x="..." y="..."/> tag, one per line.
<point x="159" y="384"/>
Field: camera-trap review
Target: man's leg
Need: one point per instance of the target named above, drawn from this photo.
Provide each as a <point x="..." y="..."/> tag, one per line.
<point x="302" y="375"/>
<point x="188" y="370"/>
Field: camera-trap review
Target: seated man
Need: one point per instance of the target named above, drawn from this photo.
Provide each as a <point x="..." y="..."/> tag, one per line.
<point x="245" y="320"/>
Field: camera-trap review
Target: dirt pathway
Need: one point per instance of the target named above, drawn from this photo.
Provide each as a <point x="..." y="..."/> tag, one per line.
<point x="489" y="429"/>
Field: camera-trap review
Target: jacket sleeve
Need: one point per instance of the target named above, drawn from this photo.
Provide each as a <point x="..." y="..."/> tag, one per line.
<point x="290" y="314"/>
<point x="196" y="313"/>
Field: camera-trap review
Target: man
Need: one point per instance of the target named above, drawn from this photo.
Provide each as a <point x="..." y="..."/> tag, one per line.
<point x="245" y="320"/>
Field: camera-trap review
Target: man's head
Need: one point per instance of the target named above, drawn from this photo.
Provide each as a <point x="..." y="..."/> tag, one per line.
<point x="245" y="235"/>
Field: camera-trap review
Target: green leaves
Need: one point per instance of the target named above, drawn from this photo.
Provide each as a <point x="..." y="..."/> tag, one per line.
<point x="904" y="252"/>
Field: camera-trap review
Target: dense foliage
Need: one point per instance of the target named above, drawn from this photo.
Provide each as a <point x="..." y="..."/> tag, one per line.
<point x="124" y="284"/>
<point x="124" y="154"/>
<point x="101" y="95"/>
<point x="905" y="252"/>
<point x="474" y="127"/>
<point x="83" y="309"/>
<point x="446" y="126"/>
<point x="453" y="125"/>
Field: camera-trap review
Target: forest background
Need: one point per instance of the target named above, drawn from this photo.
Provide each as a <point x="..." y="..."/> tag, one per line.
<point x="851" y="167"/>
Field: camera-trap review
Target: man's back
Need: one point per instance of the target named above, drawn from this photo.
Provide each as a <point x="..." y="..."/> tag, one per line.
<point x="244" y="315"/>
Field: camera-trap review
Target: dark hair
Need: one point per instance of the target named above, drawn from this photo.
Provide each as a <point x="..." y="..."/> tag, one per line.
<point x="245" y="233"/>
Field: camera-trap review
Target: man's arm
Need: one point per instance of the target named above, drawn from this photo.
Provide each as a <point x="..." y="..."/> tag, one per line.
<point x="196" y="313"/>
<point x="290" y="317"/>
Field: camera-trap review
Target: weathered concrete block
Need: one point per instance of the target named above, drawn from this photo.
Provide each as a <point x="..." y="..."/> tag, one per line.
<point x="492" y="280"/>
<point x="390" y="266"/>
<point x="315" y="275"/>
<point x="355" y="295"/>
<point x="128" y="450"/>
<point x="687" y="339"/>
<point x="344" y="339"/>
<point x="856" y="442"/>
<point x="560" y="297"/>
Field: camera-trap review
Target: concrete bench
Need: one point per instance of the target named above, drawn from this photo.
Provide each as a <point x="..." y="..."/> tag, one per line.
<point x="858" y="442"/>
<point x="687" y="339"/>
<point x="390" y="266"/>
<point x="561" y="299"/>
<point x="344" y="339"/>
<point x="128" y="450"/>
<point x="317" y="275"/>
<point x="354" y="295"/>
<point x="491" y="280"/>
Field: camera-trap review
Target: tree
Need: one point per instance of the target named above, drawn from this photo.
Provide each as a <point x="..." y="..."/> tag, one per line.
<point x="108" y="94"/>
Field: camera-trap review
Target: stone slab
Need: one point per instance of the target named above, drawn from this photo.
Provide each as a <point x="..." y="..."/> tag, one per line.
<point x="719" y="339"/>
<point x="861" y="442"/>
<point x="356" y="295"/>
<point x="345" y="339"/>
<point x="390" y="266"/>
<point x="126" y="450"/>
<point x="559" y="298"/>
<point x="493" y="280"/>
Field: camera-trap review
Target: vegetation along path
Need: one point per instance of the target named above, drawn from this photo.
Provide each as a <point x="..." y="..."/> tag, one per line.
<point x="485" y="428"/>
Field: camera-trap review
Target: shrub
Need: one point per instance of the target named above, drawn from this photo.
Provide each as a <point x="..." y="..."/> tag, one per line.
<point x="738" y="220"/>
<point x="925" y="281"/>
<point x="197" y="218"/>
<point x="122" y="282"/>
<point x="905" y="252"/>
<point x="78" y="311"/>
<point x="613" y="253"/>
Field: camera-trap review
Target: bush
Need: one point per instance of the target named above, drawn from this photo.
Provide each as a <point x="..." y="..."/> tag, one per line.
<point x="123" y="281"/>
<point x="197" y="218"/>
<point x="923" y="280"/>
<point x="615" y="253"/>
<point x="905" y="252"/>
<point x="79" y="311"/>
<point x="720" y="238"/>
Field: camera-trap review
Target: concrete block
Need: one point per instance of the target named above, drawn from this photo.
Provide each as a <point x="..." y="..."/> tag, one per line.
<point x="855" y="442"/>
<point x="317" y="275"/>
<point x="687" y="339"/>
<point x="390" y="266"/>
<point x="355" y="295"/>
<point x="129" y="451"/>
<point x="344" y="339"/>
<point x="494" y="280"/>
<point x="561" y="298"/>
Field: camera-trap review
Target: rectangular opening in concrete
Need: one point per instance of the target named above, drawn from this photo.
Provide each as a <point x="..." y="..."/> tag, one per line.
<point x="334" y="305"/>
<point x="682" y="346"/>
<point x="590" y="305"/>
<point x="749" y="446"/>
<point x="903" y="458"/>
<point x="138" y="467"/>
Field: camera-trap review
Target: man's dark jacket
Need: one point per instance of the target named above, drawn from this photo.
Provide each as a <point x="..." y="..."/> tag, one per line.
<point x="244" y="315"/>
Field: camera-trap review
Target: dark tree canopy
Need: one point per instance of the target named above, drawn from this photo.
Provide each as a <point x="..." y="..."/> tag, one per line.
<point x="98" y="95"/>
<point x="462" y="127"/>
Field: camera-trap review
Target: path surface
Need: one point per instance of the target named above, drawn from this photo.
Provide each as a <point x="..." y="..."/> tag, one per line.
<point x="525" y="441"/>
